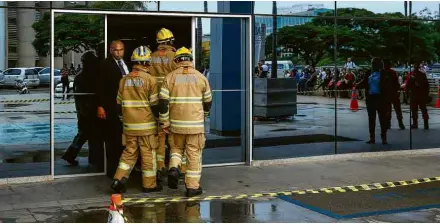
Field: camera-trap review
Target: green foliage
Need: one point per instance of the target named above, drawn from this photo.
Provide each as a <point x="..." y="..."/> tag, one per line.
<point x="75" y="32"/>
<point x="362" y="39"/>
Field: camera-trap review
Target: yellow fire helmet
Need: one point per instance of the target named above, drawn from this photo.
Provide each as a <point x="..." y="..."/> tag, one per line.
<point x="164" y="35"/>
<point x="141" y="54"/>
<point x="184" y="54"/>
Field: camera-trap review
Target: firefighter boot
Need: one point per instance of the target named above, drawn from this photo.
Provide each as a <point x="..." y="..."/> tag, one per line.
<point x="193" y="192"/>
<point x="119" y="185"/>
<point x="426" y="124"/>
<point x="415" y="124"/>
<point x="401" y="125"/>
<point x="173" y="178"/>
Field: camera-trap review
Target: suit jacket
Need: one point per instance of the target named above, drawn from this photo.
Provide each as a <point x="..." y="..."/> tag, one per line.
<point x="108" y="85"/>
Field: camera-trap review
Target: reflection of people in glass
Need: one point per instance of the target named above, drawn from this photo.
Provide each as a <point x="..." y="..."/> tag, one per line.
<point x="65" y="82"/>
<point x="375" y="85"/>
<point x="86" y="114"/>
<point x="394" y="94"/>
<point x="418" y="87"/>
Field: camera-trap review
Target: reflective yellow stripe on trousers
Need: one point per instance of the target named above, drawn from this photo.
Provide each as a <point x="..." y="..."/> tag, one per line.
<point x="187" y="124"/>
<point x="140" y="126"/>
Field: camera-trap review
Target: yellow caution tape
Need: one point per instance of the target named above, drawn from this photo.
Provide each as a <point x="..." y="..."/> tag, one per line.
<point x="330" y="190"/>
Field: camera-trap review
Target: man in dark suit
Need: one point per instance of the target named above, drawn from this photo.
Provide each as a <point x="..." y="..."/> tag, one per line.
<point x="112" y="69"/>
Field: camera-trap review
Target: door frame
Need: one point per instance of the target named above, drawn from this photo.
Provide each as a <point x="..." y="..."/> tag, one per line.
<point x="246" y="36"/>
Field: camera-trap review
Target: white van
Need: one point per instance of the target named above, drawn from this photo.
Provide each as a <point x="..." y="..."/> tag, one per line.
<point x="29" y="75"/>
<point x="283" y="68"/>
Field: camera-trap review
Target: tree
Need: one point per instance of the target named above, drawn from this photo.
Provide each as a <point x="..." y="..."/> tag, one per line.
<point x="75" y="32"/>
<point x="309" y="41"/>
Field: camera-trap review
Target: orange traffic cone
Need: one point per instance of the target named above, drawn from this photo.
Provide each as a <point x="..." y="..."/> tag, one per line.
<point x="354" y="106"/>
<point x="116" y="210"/>
<point x="437" y="102"/>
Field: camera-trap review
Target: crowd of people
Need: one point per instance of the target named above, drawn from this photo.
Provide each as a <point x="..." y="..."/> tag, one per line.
<point x="378" y="83"/>
<point x="162" y="100"/>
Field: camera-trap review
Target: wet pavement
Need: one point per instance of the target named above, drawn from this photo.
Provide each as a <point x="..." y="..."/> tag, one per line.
<point x="270" y="210"/>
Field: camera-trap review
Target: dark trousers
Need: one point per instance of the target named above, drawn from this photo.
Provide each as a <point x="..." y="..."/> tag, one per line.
<point x="416" y="103"/>
<point x="112" y="136"/>
<point x="87" y="132"/>
<point x="377" y="104"/>
<point x="66" y="89"/>
<point x="395" y="103"/>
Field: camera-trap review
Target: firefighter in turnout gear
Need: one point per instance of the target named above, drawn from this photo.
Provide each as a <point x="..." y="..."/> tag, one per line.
<point x="185" y="100"/>
<point x="138" y="98"/>
<point x="162" y="63"/>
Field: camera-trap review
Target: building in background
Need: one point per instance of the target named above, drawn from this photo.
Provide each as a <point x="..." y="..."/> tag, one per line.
<point x="298" y="10"/>
<point x="17" y="35"/>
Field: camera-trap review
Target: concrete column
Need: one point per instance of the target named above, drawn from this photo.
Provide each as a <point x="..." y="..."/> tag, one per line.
<point x="26" y="34"/>
<point x="226" y="70"/>
<point x="3" y="30"/>
<point x="58" y="61"/>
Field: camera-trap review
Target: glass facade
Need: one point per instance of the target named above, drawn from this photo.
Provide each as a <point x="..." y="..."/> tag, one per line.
<point x="318" y="100"/>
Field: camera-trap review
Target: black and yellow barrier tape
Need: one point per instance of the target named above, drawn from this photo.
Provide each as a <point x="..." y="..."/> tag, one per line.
<point x="37" y="111"/>
<point x="32" y="101"/>
<point x="72" y="102"/>
<point x="329" y="190"/>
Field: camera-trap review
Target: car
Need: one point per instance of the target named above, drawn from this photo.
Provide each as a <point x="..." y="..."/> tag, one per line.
<point x="59" y="89"/>
<point x="29" y="75"/>
<point x="2" y="78"/>
<point x="283" y="68"/>
<point x="44" y="76"/>
<point x="37" y="68"/>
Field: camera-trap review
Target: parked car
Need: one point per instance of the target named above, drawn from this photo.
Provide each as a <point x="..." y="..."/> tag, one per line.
<point x="59" y="89"/>
<point x="283" y="68"/>
<point x="38" y="68"/>
<point x="2" y="78"/>
<point x="29" y="75"/>
<point x="44" y="75"/>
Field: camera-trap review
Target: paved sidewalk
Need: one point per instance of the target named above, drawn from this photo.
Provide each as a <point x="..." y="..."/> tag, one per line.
<point x="331" y="171"/>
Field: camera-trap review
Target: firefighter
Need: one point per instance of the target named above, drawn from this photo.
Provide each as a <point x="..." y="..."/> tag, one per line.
<point x="138" y="97"/>
<point x="418" y="86"/>
<point x="185" y="100"/>
<point x="394" y="94"/>
<point x="162" y="63"/>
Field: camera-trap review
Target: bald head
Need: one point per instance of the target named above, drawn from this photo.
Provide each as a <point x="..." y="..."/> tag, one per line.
<point x="117" y="49"/>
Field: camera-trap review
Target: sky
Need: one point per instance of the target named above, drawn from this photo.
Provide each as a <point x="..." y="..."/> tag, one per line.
<point x="265" y="7"/>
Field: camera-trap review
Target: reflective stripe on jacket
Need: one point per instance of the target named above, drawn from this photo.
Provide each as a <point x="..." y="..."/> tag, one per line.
<point x="162" y="62"/>
<point x="137" y="93"/>
<point x="185" y="90"/>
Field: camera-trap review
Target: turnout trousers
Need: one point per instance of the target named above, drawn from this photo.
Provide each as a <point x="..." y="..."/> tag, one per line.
<point x="162" y="151"/>
<point x="148" y="147"/>
<point x="189" y="146"/>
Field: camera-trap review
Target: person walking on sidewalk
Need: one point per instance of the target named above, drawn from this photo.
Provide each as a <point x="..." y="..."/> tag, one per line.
<point x="418" y="87"/>
<point x="185" y="100"/>
<point x="394" y="94"/>
<point x="377" y="99"/>
<point x="137" y="97"/>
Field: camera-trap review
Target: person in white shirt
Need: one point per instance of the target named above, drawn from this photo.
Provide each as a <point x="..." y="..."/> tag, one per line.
<point x="350" y="64"/>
